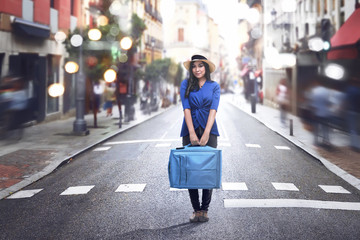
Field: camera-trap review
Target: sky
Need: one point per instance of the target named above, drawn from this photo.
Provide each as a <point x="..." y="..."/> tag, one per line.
<point x="226" y="16"/>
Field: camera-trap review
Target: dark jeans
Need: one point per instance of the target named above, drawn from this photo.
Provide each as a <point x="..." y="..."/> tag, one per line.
<point x="206" y="193"/>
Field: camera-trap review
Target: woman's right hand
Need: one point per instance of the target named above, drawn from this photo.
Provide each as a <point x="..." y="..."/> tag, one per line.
<point x="194" y="140"/>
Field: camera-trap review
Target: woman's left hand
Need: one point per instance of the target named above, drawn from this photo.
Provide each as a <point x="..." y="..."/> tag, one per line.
<point x="204" y="139"/>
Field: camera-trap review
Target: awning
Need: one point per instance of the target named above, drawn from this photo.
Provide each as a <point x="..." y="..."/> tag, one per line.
<point x="29" y="28"/>
<point x="344" y="42"/>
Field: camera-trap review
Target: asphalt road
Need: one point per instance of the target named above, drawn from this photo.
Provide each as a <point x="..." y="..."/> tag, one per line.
<point x="271" y="190"/>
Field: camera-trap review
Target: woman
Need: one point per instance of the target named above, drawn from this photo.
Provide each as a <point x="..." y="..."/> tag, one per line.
<point x="200" y="99"/>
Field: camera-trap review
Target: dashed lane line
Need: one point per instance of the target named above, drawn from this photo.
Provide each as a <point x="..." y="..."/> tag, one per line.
<point x="24" y="194"/>
<point x="334" y="189"/>
<point x="284" y="186"/>
<point x="251" y="145"/>
<point x="131" y="188"/>
<point x="77" y="190"/>
<point x="234" y="186"/>
<point x="282" y="147"/>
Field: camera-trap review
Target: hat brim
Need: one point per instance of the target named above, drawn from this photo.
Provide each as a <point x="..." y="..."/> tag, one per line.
<point x="211" y="65"/>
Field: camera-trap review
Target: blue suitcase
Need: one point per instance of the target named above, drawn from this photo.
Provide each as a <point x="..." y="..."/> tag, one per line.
<point x="195" y="167"/>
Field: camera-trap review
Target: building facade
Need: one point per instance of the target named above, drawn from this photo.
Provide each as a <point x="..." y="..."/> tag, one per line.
<point x="189" y="31"/>
<point x="28" y="48"/>
<point x="288" y="29"/>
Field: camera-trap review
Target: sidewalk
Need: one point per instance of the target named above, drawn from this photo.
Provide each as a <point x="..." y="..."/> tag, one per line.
<point x="46" y="146"/>
<point x="341" y="160"/>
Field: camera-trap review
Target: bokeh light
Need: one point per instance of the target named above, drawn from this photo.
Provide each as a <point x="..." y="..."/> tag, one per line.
<point x="126" y="43"/>
<point x="316" y="44"/>
<point x="334" y="71"/>
<point x="56" y="90"/>
<point x="71" y="67"/>
<point x="60" y="36"/>
<point x="110" y="75"/>
<point x="76" y="40"/>
<point x="103" y="20"/>
<point x="94" y="34"/>
<point x="253" y="16"/>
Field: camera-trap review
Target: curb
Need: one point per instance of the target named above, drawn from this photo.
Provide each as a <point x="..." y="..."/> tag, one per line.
<point x="56" y="164"/>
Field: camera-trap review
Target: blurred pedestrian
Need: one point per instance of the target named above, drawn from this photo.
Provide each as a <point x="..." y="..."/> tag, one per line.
<point x="353" y="113"/>
<point x="282" y="98"/>
<point x="200" y="98"/>
<point x="14" y="103"/>
<point x="109" y="98"/>
<point x="320" y="104"/>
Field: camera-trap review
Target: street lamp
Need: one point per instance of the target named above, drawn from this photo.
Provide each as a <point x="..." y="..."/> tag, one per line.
<point x="152" y="48"/>
<point x="79" y="125"/>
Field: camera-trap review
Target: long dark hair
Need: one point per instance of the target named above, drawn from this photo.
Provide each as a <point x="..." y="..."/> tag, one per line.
<point x="193" y="82"/>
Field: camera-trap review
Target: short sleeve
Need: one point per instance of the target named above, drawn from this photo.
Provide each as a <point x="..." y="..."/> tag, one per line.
<point x="216" y="96"/>
<point x="184" y="101"/>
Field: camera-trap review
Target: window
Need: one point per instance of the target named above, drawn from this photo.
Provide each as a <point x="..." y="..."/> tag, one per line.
<point x="180" y="34"/>
<point x="306" y="29"/>
<point x="342" y="3"/>
<point x="52" y="3"/>
<point x="53" y="77"/>
<point x="72" y="7"/>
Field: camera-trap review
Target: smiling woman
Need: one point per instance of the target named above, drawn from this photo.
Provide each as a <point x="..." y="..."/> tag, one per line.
<point x="200" y="98"/>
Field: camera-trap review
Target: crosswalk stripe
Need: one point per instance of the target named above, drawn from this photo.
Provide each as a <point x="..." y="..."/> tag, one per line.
<point x="333" y="189"/>
<point x="284" y="186"/>
<point x="282" y="147"/>
<point x="131" y="188"/>
<point x="250" y="145"/>
<point x="226" y="186"/>
<point x="24" y="194"/>
<point x="290" y="203"/>
<point x="177" y="189"/>
<point x="77" y="190"/>
<point x="233" y="186"/>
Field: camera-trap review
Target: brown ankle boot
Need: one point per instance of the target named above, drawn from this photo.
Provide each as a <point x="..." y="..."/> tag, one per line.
<point x="203" y="216"/>
<point x="195" y="216"/>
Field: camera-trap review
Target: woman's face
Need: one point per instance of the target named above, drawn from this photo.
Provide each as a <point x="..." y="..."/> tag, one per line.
<point x="198" y="69"/>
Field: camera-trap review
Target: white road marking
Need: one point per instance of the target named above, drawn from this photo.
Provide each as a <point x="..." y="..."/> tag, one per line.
<point x="222" y="144"/>
<point x="334" y="189"/>
<point x="249" y="145"/>
<point x="226" y="137"/>
<point x="234" y="186"/>
<point x="101" y="149"/>
<point x="163" y="136"/>
<point x="24" y="194"/>
<point x="77" y="190"/>
<point x="177" y="189"/>
<point x="142" y="141"/>
<point x="282" y="147"/>
<point x="284" y="186"/>
<point x="290" y="203"/>
<point x="131" y="188"/>
<point x="163" y="145"/>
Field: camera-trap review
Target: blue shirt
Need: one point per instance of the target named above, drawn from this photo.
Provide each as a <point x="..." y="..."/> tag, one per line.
<point x="200" y="102"/>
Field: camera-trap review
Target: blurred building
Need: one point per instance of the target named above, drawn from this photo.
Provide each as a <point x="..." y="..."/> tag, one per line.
<point x="28" y="47"/>
<point x="189" y="31"/>
<point x="28" y="44"/>
<point x="290" y="30"/>
<point x="152" y="39"/>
